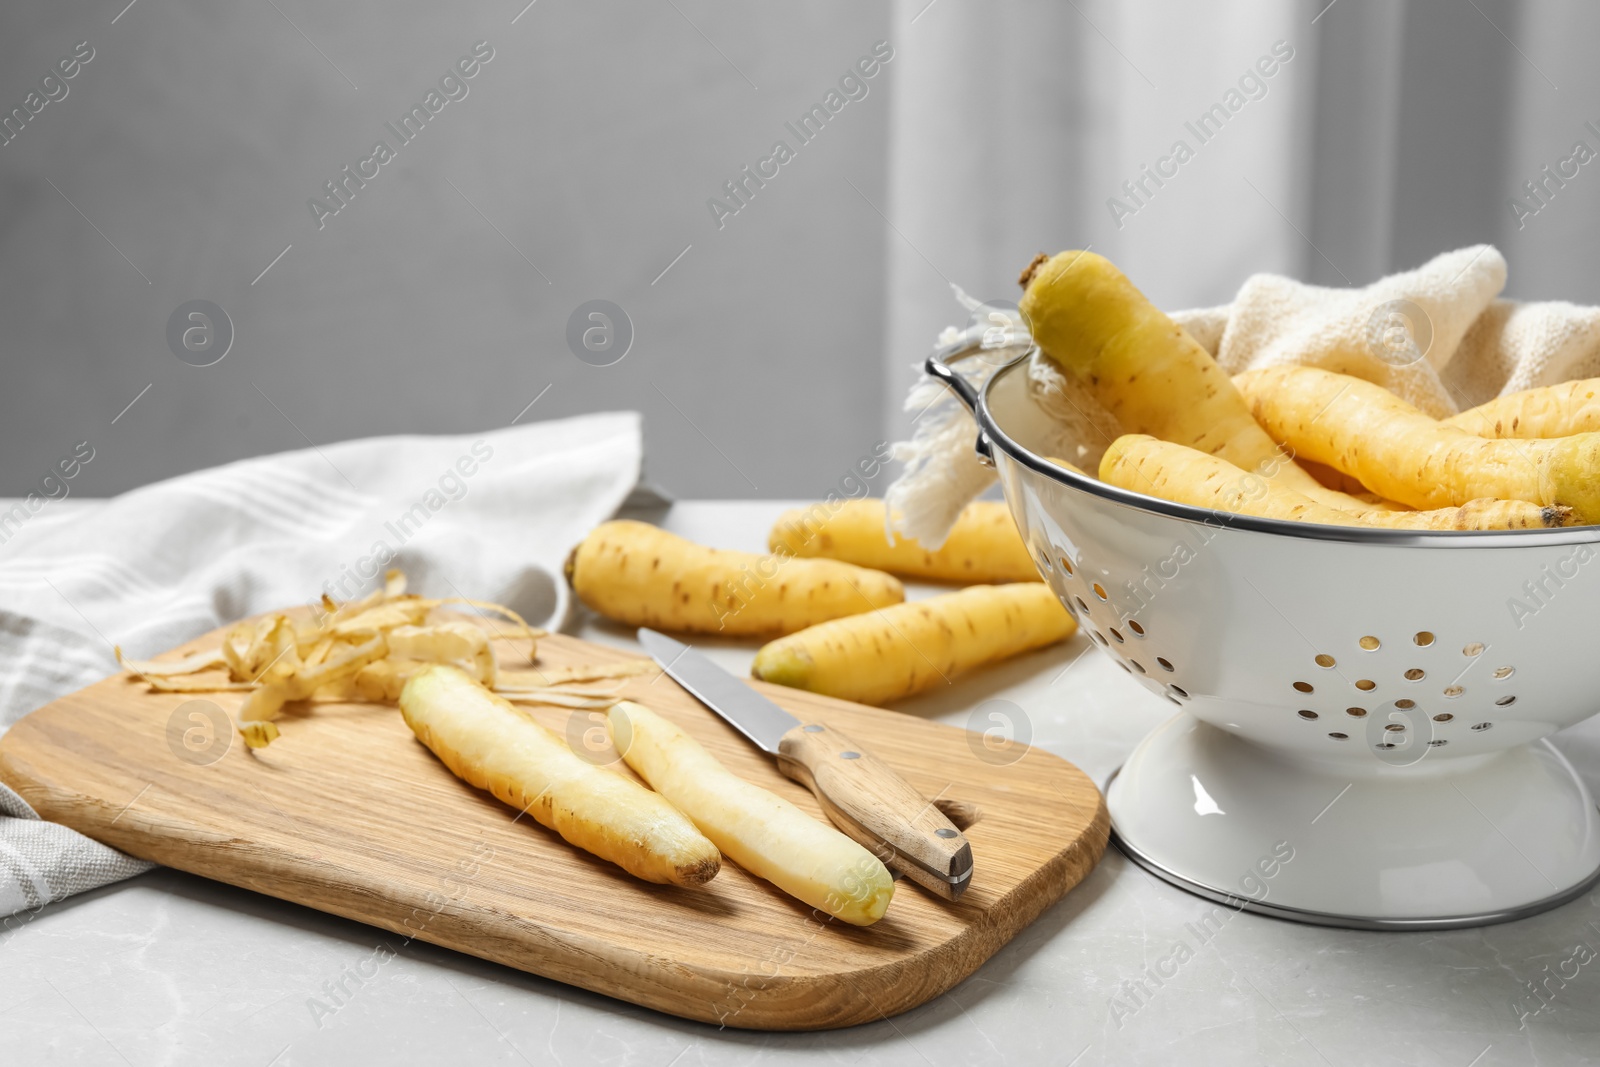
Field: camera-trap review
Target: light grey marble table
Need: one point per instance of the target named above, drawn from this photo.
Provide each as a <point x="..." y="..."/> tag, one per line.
<point x="173" y="969"/>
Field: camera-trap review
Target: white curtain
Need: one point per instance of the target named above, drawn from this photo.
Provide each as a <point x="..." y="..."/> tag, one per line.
<point x="1385" y="132"/>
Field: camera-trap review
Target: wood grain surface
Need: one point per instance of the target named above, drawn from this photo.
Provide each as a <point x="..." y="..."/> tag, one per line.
<point x="348" y="813"/>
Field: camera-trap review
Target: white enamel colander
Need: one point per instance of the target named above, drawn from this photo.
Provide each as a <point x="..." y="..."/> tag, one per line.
<point x="1371" y="703"/>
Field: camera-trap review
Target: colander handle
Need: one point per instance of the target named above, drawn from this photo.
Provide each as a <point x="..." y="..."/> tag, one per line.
<point x="937" y="366"/>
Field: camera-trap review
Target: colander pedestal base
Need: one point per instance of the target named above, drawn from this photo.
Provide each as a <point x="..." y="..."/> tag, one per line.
<point x="1439" y="844"/>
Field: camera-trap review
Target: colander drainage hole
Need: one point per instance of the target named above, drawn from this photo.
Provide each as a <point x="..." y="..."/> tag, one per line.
<point x="1099" y="591"/>
<point x="1097" y="637"/>
<point x="1407" y="704"/>
<point x="1081" y="605"/>
<point x="1438" y="742"/>
<point x="1502" y="673"/>
<point x="1066" y="565"/>
<point x="1415" y="674"/>
<point x="1356" y="713"/>
<point x="1137" y="666"/>
<point x="1180" y="691"/>
<point x="1474" y="649"/>
<point x="1443" y="717"/>
<point x="1396" y="728"/>
<point x="1506" y="701"/>
<point x="1339" y="737"/>
<point x="1369" y="643"/>
<point x="1423" y="639"/>
<point x="1453" y="691"/>
<point x="1166" y="664"/>
<point x="1481" y="726"/>
<point x="1307" y="715"/>
<point x="1324" y="660"/>
<point x="1044" y="564"/>
<point x="1366" y="685"/>
<point x="1383" y="744"/>
<point x="1135" y="627"/>
<point x="1304" y="687"/>
<point x="1118" y="635"/>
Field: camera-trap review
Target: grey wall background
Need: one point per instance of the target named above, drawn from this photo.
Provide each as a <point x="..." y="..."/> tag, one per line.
<point x="775" y="351"/>
<point x="592" y="140"/>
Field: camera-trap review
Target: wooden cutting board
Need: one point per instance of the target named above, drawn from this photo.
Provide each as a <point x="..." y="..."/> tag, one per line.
<point x="347" y="813"/>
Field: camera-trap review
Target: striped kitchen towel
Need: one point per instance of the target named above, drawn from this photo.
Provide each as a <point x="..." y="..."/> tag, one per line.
<point x="488" y="516"/>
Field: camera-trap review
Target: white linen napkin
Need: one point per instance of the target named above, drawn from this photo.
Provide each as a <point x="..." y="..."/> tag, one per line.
<point x="489" y="516"/>
<point x="1438" y="336"/>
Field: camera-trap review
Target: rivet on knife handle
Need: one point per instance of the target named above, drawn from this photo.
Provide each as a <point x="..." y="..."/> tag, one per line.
<point x="868" y="800"/>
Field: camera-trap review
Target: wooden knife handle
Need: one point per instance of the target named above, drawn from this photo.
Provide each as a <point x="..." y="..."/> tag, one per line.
<point x="871" y="803"/>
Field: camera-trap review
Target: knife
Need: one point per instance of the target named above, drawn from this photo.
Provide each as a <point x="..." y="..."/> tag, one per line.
<point x="861" y="794"/>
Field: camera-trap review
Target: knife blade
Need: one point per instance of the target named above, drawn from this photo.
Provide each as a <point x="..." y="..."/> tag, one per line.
<point x="863" y="796"/>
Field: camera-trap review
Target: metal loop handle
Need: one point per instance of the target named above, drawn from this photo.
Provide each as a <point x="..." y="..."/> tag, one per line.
<point x="937" y="366"/>
<point x="972" y="339"/>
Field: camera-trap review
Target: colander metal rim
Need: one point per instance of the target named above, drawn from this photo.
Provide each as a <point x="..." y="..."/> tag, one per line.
<point x="997" y="437"/>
